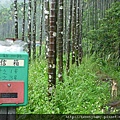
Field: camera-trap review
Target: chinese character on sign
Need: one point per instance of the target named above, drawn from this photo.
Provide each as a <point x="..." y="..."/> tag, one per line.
<point x="16" y="63"/>
<point x="2" y="62"/>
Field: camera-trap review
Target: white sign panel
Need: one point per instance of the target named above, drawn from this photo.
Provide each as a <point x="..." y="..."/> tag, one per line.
<point x="9" y="62"/>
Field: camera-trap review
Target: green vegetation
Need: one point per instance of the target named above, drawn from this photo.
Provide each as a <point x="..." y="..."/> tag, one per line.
<point x="105" y="41"/>
<point x="84" y="91"/>
<point x="81" y="93"/>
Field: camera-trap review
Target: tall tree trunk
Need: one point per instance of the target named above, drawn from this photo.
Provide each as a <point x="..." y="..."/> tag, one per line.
<point x="46" y="12"/>
<point x="52" y="48"/>
<point x="34" y="31"/>
<point x="80" y="30"/>
<point x="23" y="27"/>
<point x="16" y="18"/>
<point x="77" y="33"/>
<point x="96" y="16"/>
<point x="96" y="24"/>
<point x="73" y="30"/>
<point x="93" y="26"/>
<point x="60" y="40"/>
<point x="64" y="24"/>
<point x="69" y="37"/>
<point x="29" y="30"/>
<point x="41" y="19"/>
<point x="88" y="22"/>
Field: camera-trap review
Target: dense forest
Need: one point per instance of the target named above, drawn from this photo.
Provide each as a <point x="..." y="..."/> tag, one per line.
<point x="74" y="53"/>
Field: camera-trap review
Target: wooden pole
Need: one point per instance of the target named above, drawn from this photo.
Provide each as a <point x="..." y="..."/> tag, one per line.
<point x="7" y="113"/>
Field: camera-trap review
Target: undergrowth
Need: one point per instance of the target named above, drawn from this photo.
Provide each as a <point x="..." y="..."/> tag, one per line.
<point x="81" y="93"/>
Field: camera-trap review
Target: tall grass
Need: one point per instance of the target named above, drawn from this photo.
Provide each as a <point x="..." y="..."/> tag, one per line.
<point x="81" y="93"/>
